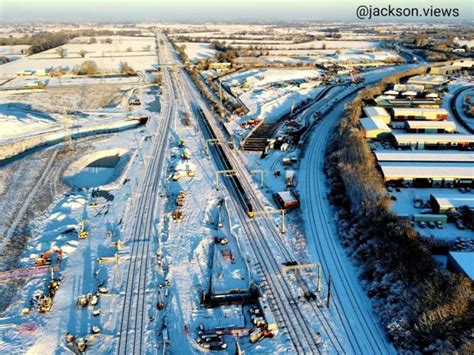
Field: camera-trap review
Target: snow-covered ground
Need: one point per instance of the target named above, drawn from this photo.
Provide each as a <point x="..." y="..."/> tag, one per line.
<point x="57" y="227"/>
<point x="133" y="50"/>
<point x="404" y="205"/>
<point x="197" y="51"/>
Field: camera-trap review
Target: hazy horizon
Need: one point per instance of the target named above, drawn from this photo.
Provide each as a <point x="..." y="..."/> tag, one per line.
<point x="211" y="10"/>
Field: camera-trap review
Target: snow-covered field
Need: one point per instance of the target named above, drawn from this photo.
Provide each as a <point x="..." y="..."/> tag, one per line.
<point x="197" y="51"/>
<point x="133" y="50"/>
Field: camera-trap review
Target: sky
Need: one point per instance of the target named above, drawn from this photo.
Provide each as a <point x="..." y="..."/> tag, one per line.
<point x="201" y="10"/>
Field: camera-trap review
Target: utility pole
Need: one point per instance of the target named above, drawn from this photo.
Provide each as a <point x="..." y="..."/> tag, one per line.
<point x="329" y="291"/>
<point x="225" y="172"/>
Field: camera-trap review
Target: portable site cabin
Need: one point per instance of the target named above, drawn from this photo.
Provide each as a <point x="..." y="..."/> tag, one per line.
<point x="290" y="178"/>
<point x="286" y="199"/>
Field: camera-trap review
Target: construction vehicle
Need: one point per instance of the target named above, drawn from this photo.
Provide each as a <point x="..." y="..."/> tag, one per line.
<point x="83" y="234"/>
<point x="95" y="329"/>
<point x="46" y="258"/>
<point x="180" y="199"/>
<point x="42" y="302"/>
<point x="177" y="215"/>
<point x="256" y="335"/>
<point x="186" y="153"/>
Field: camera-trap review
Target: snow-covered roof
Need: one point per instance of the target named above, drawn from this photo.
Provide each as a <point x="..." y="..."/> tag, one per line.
<point x="417" y="170"/>
<point x="286" y="196"/>
<point x="409" y="93"/>
<point x="428" y="79"/>
<point x="431" y="124"/>
<point x="465" y="260"/>
<point x="425" y="156"/>
<point x="371" y="123"/>
<point x="415" y="110"/>
<point x="454" y="200"/>
<point x="432" y="95"/>
<point x="391" y="92"/>
<point x="375" y="111"/>
<point x="433" y="138"/>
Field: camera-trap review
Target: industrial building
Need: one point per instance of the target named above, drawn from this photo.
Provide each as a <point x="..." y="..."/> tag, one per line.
<point x="443" y="203"/>
<point x="461" y="262"/>
<point x="430" y="81"/>
<point x="433" y="141"/>
<point x="423" y="114"/>
<point x="418" y="174"/>
<point x="430" y="126"/>
<point x="425" y="156"/>
<point x="375" y="128"/>
<point x="385" y="101"/>
<point x="377" y="112"/>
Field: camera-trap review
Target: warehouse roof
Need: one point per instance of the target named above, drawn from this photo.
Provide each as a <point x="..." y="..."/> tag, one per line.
<point x="454" y="200"/>
<point x="375" y="111"/>
<point x="427" y="170"/>
<point x="433" y="138"/>
<point x="419" y="110"/>
<point x="426" y="156"/>
<point x="431" y="124"/>
<point x="428" y="79"/>
<point x="371" y="123"/>
<point x="465" y="260"/>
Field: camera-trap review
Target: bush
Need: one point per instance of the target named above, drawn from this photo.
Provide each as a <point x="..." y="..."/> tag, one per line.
<point x="88" y="67"/>
<point x="125" y="68"/>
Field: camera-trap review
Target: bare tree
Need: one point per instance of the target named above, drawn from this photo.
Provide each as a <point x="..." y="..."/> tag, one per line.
<point x="61" y="52"/>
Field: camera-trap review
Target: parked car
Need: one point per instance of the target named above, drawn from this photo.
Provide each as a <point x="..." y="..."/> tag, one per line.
<point x="422" y="224"/>
<point x="431" y="225"/>
<point x="439" y="224"/>
<point x="460" y="225"/>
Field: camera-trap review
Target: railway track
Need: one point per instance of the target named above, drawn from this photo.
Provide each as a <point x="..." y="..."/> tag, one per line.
<point x="134" y="314"/>
<point x="281" y="299"/>
<point x="318" y="217"/>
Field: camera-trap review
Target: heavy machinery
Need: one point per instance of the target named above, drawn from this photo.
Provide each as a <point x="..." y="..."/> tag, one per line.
<point x="48" y="257"/>
<point x="83" y="234"/>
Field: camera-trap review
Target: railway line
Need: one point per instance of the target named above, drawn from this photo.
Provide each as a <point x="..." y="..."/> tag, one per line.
<point x="348" y="326"/>
<point x="318" y="217"/>
<point x="134" y="314"/>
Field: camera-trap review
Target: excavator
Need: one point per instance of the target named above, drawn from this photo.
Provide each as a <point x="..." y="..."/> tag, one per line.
<point x="46" y="258"/>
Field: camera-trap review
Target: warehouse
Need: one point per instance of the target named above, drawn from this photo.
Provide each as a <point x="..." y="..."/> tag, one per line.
<point x="392" y="102"/>
<point x="418" y="174"/>
<point x="377" y="112"/>
<point x="461" y="262"/>
<point x="431" y="81"/>
<point x="425" y="156"/>
<point x="443" y="203"/>
<point x="434" y="141"/>
<point x="445" y="69"/>
<point x="375" y="128"/>
<point x="401" y="114"/>
<point x="430" y="126"/>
